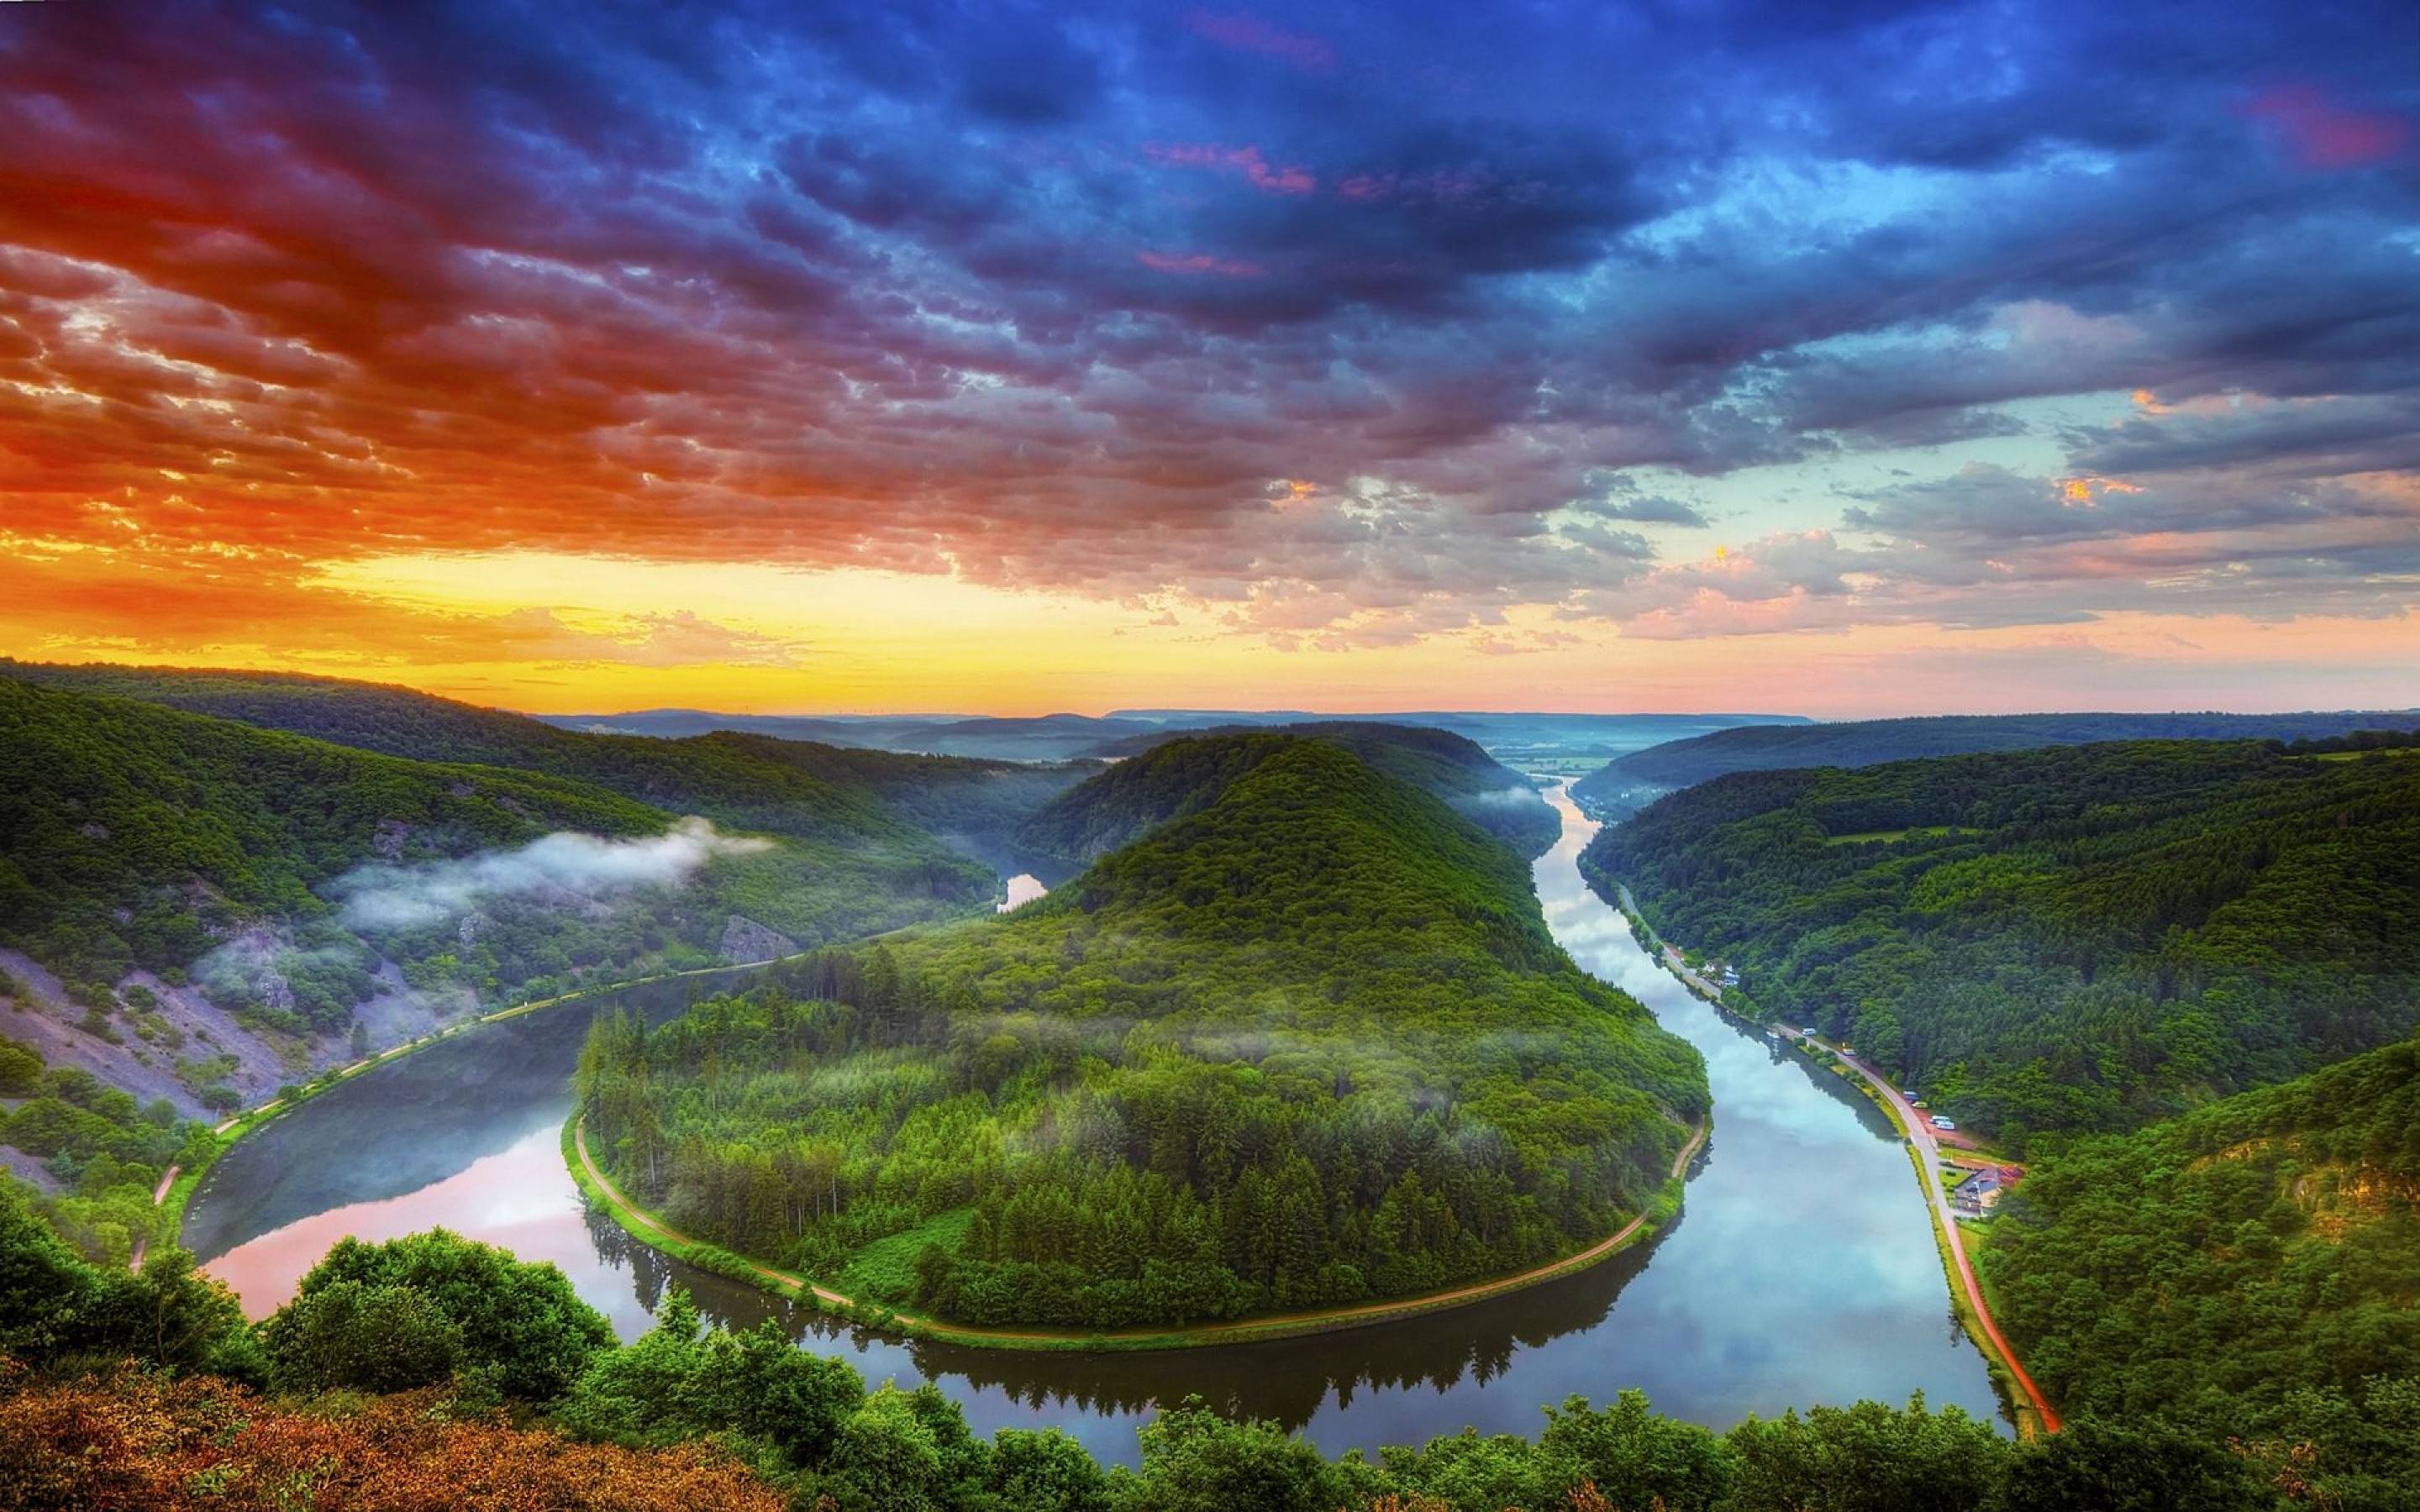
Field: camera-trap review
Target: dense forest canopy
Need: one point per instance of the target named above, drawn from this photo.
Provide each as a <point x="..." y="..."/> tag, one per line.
<point x="2066" y="940"/>
<point x="1473" y="783"/>
<point x="744" y="779"/>
<point x="1629" y="783"/>
<point x="2248" y="1271"/>
<point x="1307" y="1042"/>
<point x="136" y="836"/>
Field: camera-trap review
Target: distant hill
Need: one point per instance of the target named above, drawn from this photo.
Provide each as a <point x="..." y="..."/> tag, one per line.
<point x="2059" y="941"/>
<point x="1051" y="738"/>
<point x="1307" y="1041"/>
<point x="1565" y="744"/>
<point x="751" y="780"/>
<point x="673" y="725"/>
<point x="1631" y="782"/>
<point x="1164" y="776"/>
<point x="2247" y="1269"/>
<point x="1560" y="744"/>
<point x="171" y="869"/>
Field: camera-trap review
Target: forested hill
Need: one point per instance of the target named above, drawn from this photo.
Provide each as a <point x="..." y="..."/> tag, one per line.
<point x="2251" y="1271"/>
<point x="135" y="836"/>
<point x="1631" y="782"/>
<point x="755" y="781"/>
<point x="1163" y="775"/>
<point x="1308" y="1043"/>
<point x="2081" y="938"/>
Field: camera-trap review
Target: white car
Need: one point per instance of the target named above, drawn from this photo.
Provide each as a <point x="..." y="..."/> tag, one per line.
<point x="1940" y="1122"/>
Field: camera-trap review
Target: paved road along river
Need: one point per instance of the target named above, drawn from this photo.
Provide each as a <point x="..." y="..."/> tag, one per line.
<point x="1802" y="1271"/>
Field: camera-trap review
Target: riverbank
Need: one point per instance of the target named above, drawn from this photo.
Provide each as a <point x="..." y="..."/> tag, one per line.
<point x="177" y="1190"/>
<point x="2026" y="1405"/>
<point x="648" y="1230"/>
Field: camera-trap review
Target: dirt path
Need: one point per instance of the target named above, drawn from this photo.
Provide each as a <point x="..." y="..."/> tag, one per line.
<point x="1928" y="1151"/>
<point x="1281" y="1322"/>
<point x="159" y="1194"/>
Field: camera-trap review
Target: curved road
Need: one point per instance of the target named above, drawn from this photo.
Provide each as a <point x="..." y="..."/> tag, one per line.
<point x="1928" y="1150"/>
<point x="1287" y="1323"/>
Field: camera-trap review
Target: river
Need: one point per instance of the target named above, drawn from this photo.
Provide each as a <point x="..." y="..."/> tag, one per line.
<point x="1802" y="1270"/>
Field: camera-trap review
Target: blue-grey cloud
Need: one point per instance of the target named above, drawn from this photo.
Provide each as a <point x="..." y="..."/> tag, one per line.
<point x="1057" y="296"/>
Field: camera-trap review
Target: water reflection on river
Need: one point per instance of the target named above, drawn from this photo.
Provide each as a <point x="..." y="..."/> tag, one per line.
<point x="1023" y="889"/>
<point x="1802" y="1271"/>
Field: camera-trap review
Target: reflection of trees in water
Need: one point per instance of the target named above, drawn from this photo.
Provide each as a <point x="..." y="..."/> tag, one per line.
<point x="489" y="1085"/>
<point x="465" y="1098"/>
<point x="1287" y="1380"/>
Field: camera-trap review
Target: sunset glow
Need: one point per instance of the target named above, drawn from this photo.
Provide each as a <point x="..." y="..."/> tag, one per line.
<point x="1140" y="358"/>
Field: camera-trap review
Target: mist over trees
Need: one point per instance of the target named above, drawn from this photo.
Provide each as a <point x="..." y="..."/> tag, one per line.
<point x="1307" y="1044"/>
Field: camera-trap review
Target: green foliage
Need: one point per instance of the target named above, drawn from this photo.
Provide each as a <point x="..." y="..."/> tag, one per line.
<point x="2109" y="935"/>
<point x="1629" y="782"/>
<point x="58" y="1309"/>
<point x="1309" y="1044"/>
<point x="1045" y="1471"/>
<point x="2098" y="1467"/>
<point x="806" y="791"/>
<point x="675" y="1383"/>
<point x="521" y="1322"/>
<point x="136" y="836"/>
<point x="1867" y="1458"/>
<point x="20" y="1069"/>
<point x="908" y="1451"/>
<point x="351" y="1336"/>
<point x="133" y="834"/>
<point x="108" y="1154"/>
<point x="1450" y="766"/>
<point x="1636" y="1459"/>
<point x="2246" y="1271"/>
<point x="1196" y="1461"/>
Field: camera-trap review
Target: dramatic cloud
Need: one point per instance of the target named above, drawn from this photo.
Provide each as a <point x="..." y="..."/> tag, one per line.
<point x="566" y="868"/>
<point x="1325" y="325"/>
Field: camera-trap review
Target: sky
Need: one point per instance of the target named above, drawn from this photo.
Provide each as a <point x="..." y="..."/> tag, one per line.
<point x="1845" y="359"/>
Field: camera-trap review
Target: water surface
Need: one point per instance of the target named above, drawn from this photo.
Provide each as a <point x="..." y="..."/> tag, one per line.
<point x="1802" y="1270"/>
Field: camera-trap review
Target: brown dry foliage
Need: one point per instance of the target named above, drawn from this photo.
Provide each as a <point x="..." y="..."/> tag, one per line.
<point x="139" y="1441"/>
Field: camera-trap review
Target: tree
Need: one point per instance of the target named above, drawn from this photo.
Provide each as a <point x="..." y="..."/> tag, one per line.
<point x="885" y="1459"/>
<point x="46" y="1288"/>
<point x="1196" y="1461"/>
<point x="1636" y="1459"/>
<point x="377" y="1338"/>
<point x="20" y="1069"/>
<point x="522" y="1321"/>
<point x="2095" y="1466"/>
<point x="1867" y="1457"/>
<point x="1045" y="1471"/>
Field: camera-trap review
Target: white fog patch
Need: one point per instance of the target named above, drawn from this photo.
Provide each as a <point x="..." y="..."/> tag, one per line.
<point x="565" y="864"/>
<point x="1505" y="797"/>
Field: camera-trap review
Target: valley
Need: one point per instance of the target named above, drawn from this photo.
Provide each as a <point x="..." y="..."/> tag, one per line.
<point x="1799" y="1180"/>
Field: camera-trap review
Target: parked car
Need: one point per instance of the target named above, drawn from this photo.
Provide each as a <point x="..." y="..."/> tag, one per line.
<point x="1940" y="1122"/>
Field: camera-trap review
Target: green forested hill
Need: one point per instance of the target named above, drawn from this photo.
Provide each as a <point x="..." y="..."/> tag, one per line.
<point x="755" y="781"/>
<point x="1307" y="1042"/>
<point x="2074" y="939"/>
<point x="137" y="836"/>
<point x="2251" y="1269"/>
<point x="1631" y="782"/>
<point x="1174" y="770"/>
